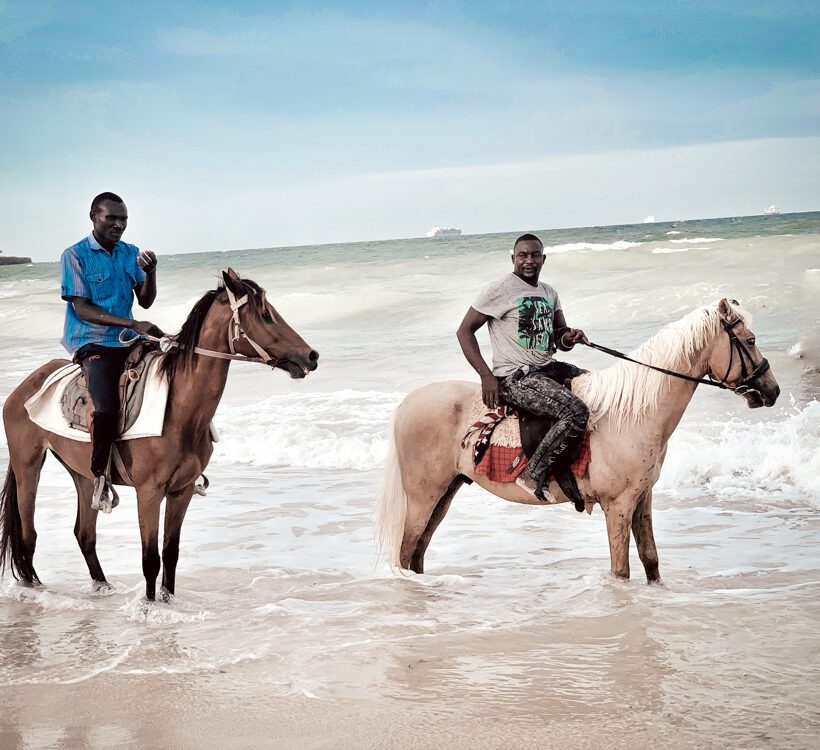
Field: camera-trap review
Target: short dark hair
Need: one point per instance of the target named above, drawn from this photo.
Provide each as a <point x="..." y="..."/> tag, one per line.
<point x="528" y="238"/>
<point x="113" y="197"/>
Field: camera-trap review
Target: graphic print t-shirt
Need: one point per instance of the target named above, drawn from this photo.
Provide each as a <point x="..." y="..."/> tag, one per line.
<point x="521" y="322"/>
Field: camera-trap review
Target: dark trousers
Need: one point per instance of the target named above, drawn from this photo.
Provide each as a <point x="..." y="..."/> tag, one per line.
<point x="102" y="366"/>
<point x="540" y="394"/>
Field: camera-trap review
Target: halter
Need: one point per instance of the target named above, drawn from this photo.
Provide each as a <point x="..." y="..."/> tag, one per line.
<point x="235" y="333"/>
<point x="741" y="387"/>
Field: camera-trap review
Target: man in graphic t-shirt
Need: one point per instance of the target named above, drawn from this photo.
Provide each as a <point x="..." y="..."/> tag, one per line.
<point x="526" y="325"/>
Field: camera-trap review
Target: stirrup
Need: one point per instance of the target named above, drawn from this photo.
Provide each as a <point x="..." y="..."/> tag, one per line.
<point x="102" y="499"/>
<point x="201" y="488"/>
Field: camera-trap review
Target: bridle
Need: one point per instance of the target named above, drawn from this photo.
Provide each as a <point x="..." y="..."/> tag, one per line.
<point x="235" y="333"/>
<point x="749" y="371"/>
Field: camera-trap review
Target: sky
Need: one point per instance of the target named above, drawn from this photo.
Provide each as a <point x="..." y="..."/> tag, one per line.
<point x="260" y="124"/>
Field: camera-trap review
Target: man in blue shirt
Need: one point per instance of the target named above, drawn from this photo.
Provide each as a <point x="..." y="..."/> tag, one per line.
<point x="100" y="276"/>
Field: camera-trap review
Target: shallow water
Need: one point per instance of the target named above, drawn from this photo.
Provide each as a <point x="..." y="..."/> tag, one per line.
<point x="517" y="618"/>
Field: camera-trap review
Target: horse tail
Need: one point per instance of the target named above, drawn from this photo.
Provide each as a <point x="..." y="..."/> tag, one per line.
<point x="12" y="548"/>
<point x="392" y="510"/>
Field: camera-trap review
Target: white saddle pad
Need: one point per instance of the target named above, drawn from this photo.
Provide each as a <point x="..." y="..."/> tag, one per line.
<point x="45" y="410"/>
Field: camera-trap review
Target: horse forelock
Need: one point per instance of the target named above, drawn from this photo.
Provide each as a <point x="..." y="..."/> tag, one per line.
<point x="625" y="391"/>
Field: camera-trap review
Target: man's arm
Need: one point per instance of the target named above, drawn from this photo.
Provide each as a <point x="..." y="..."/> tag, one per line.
<point x="91" y="313"/>
<point x="565" y="336"/>
<point x="473" y="320"/>
<point x="146" y="291"/>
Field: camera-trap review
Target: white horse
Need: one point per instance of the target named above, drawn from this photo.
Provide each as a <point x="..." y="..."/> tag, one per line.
<point x="633" y="412"/>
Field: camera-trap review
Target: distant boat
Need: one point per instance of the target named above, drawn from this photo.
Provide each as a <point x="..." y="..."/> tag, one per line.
<point x="771" y="211"/>
<point x="444" y="232"/>
<point x="649" y="219"/>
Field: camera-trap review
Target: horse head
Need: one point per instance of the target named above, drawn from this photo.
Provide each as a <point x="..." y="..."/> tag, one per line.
<point x="258" y="331"/>
<point x="735" y="360"/>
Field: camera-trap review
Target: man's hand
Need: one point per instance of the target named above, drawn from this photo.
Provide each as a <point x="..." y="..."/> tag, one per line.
<point x="145" y="328"/>
<point x="147" y="260"/>
<point x="489" y="391"/>
<point x="574" y="336"/>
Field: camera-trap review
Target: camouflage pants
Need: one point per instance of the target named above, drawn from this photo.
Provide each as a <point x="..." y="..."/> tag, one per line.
<point x="540" y="394"/>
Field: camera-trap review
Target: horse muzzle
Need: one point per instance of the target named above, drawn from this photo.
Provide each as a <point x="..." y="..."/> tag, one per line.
<point x="298" y="366"/>
<point x="760" y="396"/>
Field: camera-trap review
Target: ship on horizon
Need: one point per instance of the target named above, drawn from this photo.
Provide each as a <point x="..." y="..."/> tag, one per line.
<point x="771" y="210"/>
<point x="438" y="231"/>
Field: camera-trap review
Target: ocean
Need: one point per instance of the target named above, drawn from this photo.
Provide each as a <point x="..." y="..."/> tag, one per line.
<point x="517" y="631"/>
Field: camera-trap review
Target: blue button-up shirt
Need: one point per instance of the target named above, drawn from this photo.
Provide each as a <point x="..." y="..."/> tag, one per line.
<point x="107" y="280"/>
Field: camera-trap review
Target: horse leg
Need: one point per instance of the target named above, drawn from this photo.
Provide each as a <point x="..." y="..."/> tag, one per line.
<point x="618" y="514"/>
<point x="85" y="528"/>
<point x="443" y="505"/>
<point x="645" y="539"/>
<point x="422" y="501"/>
<point x="176" y="504"/>
<point x="148" y="502"/>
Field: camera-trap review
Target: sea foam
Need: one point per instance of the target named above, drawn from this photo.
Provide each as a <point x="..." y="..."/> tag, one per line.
<point x="596" y="246"/>
<point x="773" y="460"/>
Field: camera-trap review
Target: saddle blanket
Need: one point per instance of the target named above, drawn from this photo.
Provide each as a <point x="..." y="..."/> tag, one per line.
<point x="495" y="439"/>
<point x="45" y="409"/>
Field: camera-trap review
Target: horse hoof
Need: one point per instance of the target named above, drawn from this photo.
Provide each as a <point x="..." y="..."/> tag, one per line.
<point x="165" y="596"/>
<point x="102" y="587"/>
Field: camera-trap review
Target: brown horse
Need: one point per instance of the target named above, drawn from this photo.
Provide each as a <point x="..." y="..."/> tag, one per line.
<point x="633" y="412"/>
<point x="233" y="321"/>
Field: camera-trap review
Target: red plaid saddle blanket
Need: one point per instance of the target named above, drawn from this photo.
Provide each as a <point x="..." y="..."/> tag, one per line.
<point x="495" y="439"/>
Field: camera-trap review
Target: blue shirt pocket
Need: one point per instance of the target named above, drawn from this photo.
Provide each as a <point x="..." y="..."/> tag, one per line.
<point x="101" y="285"/>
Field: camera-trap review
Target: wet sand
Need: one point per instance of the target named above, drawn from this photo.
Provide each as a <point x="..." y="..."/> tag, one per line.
<point x="237" y="709"/>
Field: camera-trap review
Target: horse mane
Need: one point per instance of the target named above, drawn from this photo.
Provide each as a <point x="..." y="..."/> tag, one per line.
<point x="181" y="356"/>
<point x="626" y="391"/>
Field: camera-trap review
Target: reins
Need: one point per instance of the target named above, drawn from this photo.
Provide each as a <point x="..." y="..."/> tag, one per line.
<point x="747" y="376"/>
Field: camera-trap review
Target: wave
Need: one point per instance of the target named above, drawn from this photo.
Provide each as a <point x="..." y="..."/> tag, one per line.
<point x="695" y="240"/>
<point x="767" y="460"/>
<point x="596" y="246"/>
<point x="347" y="429"/>
<point x="673" y="232"/>
<point x="661" y="250"/>
<point x="344" y="429"/>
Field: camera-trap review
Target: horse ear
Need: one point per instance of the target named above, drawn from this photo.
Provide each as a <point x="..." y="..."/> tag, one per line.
<point x="725" y="309"/>
<point x="232" y="281"/>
